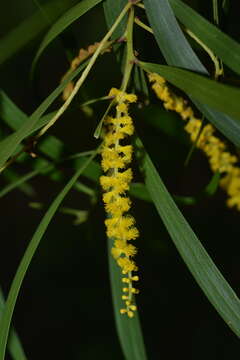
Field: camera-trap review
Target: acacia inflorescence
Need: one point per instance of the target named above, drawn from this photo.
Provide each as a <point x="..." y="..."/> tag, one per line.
<point x="205" y="138"/>
<point x="116" y="158"/>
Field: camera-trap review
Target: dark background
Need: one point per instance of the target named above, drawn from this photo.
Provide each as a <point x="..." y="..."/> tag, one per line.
<point x="64" y="309"/>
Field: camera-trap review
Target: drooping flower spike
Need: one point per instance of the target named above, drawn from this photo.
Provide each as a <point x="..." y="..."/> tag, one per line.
<point x="116" y="157"/>
<point x="220" y="159"/>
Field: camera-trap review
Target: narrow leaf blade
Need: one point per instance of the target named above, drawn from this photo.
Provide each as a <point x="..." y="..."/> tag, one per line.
<point x="203" y="269"/>
<point x="14" y="344"/>
<point x="9" y="144"/>
<point x="168" y="33"/>
<point x="28" y="255"/>
<point x="221" y="44"/>
<point x="112" y="9"/>
<point x="129" y="330"/>
<point x="29" y="29"/>
<point x="202" y="89"/>
<point x="63" y="22"/>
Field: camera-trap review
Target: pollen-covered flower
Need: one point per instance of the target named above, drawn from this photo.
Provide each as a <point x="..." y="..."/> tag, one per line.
<point x="205" y="139"/>
<point x="116" y="156"/>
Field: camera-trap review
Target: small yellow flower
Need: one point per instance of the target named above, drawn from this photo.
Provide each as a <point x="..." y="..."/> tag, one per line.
<point x="123" y="311"/>
<point x="126" y="265"/>
<point x="130" y="314"/>
<point x="122" y="108"/>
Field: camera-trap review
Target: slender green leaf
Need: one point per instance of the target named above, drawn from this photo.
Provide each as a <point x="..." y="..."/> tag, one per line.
<point x="10" y="113"/>
<point x="168" y="33"/>
<point x="129" y="330"/>
<point x="225" y="5"/>
<point x="65" y="20"/>
<point x="16" y="180"/>
<point x="92" y="172"/>
<point x="140" y="82"/>
<point x="185" y="200"/>
<point x="14" y="117"/>
<point x="30" y="28"/>
<point x="14" y="344"/>
<point x="208" y="191"/>
<point x="221" y="44"/>
<point x="21" y="180"/>
<point x="50" y="146"/>
<point x="9" y="144"/>
<point x="203" y="269"/>
<point x="28" y="255"/>
<point x="212" y="186"/>
<point x="112" y="9"/>
<point x="206" y="91"/>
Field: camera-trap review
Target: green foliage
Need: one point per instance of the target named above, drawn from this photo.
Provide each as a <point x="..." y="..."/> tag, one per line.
<point x="28" y="255"/>
<point x="63" y="22"/>
<point x="30" y="28"/>
<point x="14" y="343"/>
<point x="129" y="330"/>
<point x="208" y="277"/>
<point x="10" y="143"/>
<point x="221" y="44"/>
<point x="111" y="10"/>
<point x="55" y="156"/>
<point x="178" y="52"/>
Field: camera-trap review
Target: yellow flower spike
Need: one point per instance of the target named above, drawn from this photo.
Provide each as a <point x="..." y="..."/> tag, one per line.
<point x="215" y="149"/>
<point x="115" y="158"/>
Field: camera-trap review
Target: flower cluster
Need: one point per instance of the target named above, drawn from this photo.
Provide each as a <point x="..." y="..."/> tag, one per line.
<point x="205" y="139"/>
<point x="120" y="226"/>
